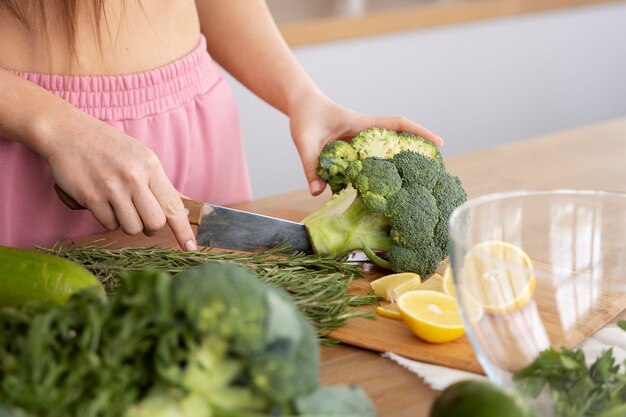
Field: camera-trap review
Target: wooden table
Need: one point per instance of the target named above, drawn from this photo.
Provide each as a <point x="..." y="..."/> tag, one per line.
<point x="590" y="157"/>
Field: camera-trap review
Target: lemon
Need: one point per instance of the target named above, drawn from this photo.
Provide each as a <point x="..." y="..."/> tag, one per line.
<point x="473" y="309"/>
<point x="499" y="275"/>
<point x="433" y="283"/>
<point x="448" y="282"/>
<point x="385" y="286"/>
<point x="431" y="315"/>
<point x="390" y="311"/>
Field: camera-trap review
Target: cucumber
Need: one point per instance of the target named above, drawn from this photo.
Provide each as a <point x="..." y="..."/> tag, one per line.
<point x="26" y="276"/>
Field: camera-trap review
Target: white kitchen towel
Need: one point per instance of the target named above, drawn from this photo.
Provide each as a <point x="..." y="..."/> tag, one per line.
<point x="439" y="377"/>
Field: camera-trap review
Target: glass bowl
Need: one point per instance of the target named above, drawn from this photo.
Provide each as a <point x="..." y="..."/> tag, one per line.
<point x="534" y="271"/>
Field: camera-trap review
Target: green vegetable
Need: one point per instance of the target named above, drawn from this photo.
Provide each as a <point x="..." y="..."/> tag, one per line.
<point x="472" y="398"/>
<point x="576" y="389"/>
<point x="319" y="285"/>
<point x="213" y="342"/>
<point x="392" y="199"/>
<point x="32" y="276"/>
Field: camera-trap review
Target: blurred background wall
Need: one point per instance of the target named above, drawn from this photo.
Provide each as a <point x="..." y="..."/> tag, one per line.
<point x="477" y="84"/>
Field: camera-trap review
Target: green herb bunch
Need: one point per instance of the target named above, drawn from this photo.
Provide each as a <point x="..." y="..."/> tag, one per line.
<point x="319" y="285"/>
<point x="577" y="389"/>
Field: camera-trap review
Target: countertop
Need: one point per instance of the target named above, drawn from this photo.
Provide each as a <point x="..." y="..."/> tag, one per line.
<point x="589" y="157"/>
<point x="304" y="22"/>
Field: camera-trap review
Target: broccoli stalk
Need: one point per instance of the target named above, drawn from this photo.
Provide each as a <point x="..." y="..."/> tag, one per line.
<point x="395" y="204"/>
<point x="343" y="224"/>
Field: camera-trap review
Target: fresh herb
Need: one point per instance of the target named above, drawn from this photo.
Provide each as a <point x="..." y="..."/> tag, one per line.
<point x="576" y="389"/>
<point x="319" y="285"/>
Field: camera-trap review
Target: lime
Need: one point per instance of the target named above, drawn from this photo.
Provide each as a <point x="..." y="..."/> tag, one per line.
<point x="472" y="398"/>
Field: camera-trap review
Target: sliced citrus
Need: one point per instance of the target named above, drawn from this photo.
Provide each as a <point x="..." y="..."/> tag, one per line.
<point x="473" y="309"/>
<point x="448" y="282"/>
<point x="389" y="310"/>
<point x="499" y="275"/>
<point x="394" y="293"/>
<point x="433" y="283"/>
<point x="433" y="316"/>
<point x="384" y="285"/>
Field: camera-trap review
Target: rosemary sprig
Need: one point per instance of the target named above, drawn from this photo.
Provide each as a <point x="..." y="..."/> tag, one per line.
<point x="318" y="284"/>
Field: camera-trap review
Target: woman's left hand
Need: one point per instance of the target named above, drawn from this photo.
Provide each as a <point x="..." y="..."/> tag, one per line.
<point x="318" y="120"/>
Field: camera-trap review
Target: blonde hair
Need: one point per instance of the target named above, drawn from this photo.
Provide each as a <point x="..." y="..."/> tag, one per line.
<point x="32" y="12"/>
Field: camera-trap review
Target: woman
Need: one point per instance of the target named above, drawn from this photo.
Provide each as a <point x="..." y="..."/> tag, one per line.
<point x="141" y="114"/>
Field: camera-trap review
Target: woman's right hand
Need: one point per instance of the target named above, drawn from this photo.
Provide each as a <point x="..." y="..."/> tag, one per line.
<point x="117" y="178"/>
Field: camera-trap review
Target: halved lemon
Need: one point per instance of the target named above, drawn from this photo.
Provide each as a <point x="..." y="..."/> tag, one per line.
<point x="389" y="310"/>
<point x="384" y="286"/>
<point x="431" y="315"/>
<point x="499" y="275"/>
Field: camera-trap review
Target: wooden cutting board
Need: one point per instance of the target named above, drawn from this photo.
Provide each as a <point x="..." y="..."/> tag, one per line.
<point x="387" y="335"/>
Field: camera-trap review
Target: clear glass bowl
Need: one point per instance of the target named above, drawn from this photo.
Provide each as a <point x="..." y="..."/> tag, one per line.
<point x="534" y="270"/>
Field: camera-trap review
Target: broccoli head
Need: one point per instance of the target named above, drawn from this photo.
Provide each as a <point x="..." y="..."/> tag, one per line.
<point x="395" y="206"/>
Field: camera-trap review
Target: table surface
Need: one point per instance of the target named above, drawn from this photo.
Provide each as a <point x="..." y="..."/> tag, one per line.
<point x="589" y="157"/>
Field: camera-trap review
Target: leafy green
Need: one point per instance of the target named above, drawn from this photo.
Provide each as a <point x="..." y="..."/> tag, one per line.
<point x="576" y="389"/>
<point x="162" y="347"/>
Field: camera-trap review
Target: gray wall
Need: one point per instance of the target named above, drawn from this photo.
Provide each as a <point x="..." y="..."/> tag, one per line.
<point x="476" y="85"/>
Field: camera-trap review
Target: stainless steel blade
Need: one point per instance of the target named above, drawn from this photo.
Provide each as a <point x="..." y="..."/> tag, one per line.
<point x="227" y="228"/>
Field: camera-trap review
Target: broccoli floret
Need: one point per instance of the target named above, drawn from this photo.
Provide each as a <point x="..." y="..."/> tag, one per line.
<point x="376" y="180"/>
<point x="333" y="162"/>
<point x="396" y="208"/>
<point x="271" y="343"/>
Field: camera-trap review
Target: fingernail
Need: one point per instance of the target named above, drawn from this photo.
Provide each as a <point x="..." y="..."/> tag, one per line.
<point x="440" y="140"/>
<point x="191" y="245"/>
<point x="316" y="187"/>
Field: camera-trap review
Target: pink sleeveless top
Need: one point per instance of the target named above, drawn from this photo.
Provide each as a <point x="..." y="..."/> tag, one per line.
<point x="183" y="111"/>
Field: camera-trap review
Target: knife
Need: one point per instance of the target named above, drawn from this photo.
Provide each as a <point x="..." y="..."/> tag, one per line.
<point x="227" y="228"/>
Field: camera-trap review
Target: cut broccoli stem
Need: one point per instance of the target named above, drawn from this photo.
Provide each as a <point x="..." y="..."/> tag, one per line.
<point x="343" y="224"/>
<point x="375" y="258"/>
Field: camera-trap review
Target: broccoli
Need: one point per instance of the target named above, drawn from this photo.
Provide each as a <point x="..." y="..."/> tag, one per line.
<point x="395" y="206"/>
<point x="336" y="159"/>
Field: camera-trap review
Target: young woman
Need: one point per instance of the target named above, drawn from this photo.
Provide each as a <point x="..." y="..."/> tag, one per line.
<point x="121" y="103"/>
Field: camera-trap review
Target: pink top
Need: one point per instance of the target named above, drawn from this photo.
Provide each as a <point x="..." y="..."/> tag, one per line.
<point x="184" y="111"/>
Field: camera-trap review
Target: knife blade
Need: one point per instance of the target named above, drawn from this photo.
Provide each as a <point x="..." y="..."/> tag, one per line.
<point x="223" y="227"/>
<point x="227" y="228"/>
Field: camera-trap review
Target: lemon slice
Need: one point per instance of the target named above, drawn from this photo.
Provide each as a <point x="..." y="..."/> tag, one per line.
<point x="448" y="282"/>
<point x="433" y="283"/>
<point x="394" y="293"/>
<point x="384" y="286"/>
<point x="390" y="311"/>
<point x="431" y="315"/>
<point x="499" y="275"/>
<point x="473" y="309"/>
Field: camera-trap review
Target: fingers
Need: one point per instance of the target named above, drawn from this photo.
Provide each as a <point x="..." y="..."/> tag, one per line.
<point x="174" y="211"/>
<point x="309" y="151"/>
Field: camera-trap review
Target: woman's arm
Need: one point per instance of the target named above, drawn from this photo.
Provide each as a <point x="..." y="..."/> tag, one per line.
<point x="243" y="38"/>
<point x="121" y="182"/>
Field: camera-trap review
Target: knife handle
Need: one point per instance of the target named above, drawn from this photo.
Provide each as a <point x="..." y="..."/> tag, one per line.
<point x="194" y="208"/>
